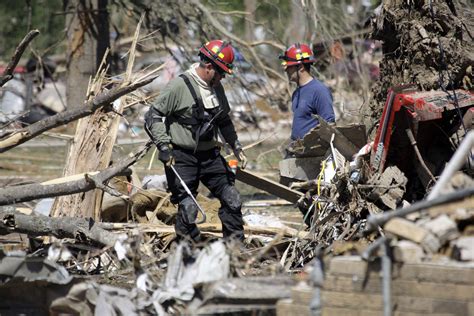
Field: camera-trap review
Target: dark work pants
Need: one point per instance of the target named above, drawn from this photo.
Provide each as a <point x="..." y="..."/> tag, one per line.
<point x="212" y="170"/>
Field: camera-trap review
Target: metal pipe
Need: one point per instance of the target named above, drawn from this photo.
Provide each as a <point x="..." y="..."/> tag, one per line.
<point x="317" y="281"/>
<point x="454" y="164"/>
<point x="383" y="243"/>
<point x="367" y="253"/>
<point x="386" y="280"/>
<point x="188" y="191"/>
<point x="374" y="221"/>
<point x="388" y="114"/>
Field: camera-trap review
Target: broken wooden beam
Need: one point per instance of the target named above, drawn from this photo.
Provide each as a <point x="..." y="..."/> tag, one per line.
<point x="341" y="143"/>
<point x="302" y="169"/>
<point x="206" y="228"/>
<point x="269" y="186"/>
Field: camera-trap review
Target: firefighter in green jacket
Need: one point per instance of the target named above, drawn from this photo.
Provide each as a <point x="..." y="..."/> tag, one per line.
<point x="184" y="123"/>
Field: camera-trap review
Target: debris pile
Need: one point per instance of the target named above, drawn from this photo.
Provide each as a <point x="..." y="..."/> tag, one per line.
<point x="367" y="208"/>
<point x="428" y="43"/>
<point x="420" y="249"/>
<point x="354" y="286"/>
<point x="340" y="194"/>
<point x="213" y="277"/>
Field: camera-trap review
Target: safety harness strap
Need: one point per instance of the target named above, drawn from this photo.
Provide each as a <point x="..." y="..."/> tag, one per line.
<point x="198" y="106"/>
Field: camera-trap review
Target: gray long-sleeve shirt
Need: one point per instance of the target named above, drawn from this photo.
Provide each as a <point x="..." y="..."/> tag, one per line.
<point x="175" y="102"/>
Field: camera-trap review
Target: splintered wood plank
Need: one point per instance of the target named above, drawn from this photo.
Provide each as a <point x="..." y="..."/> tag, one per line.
<point x="356" y="134"/>
<point x="341" y="143"/>
<point x="267" y="185"/>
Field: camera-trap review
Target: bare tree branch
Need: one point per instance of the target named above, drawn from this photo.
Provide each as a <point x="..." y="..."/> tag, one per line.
<point x="103" y="99"/>
<point x="29" y="192"/>
<point x="222" y="29"/>
<point x="8" y="73"/>
<point x="81" y="229"/>
<point x="238" y="13"/>
<point x="267" y="42"/>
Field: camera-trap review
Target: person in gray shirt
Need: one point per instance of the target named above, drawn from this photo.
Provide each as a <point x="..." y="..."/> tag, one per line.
<point x="184" y="123"/>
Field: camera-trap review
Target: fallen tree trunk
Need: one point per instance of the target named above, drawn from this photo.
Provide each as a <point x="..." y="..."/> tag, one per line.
<point x="105" y="98"/>
<point x="23" y="193"/>
<point x="81" y="229"/>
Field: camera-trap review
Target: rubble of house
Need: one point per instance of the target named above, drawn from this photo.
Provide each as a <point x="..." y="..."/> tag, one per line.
<point x="357" y="213"/>
<point x="431" y="250"/>
<point x="353" y="286"/>
<point x="332" y="266"/>
<point x="379" y="226"/>
<point x="423" y="264"/>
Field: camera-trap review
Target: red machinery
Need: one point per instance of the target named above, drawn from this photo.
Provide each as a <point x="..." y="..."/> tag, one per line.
<point x="432" y="116"/>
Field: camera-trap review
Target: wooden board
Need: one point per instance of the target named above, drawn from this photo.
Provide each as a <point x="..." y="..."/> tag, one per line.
<point x="303" y="169"/>
<point x="267" y="185"/>
<point x="341" y="143"/>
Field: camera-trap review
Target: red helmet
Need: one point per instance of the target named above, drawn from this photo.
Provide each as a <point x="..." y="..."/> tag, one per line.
<point x="220" y="52"/>
<point x="297" y="54"/>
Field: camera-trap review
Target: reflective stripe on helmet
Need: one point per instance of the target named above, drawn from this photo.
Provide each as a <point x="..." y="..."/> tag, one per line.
<point x="297" y="54"/>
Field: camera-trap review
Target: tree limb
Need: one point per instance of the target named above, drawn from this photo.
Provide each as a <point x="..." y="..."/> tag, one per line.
<point x="29" y="192"/>
<point x="206" y="227"/>
<point x="99" y="185"/>
<point x="221" y="29"/>
<point x="101" y="100"/>
<point x="8" y="73"/>
<point x="268" y="42"/>
<point x="81" y="229"/>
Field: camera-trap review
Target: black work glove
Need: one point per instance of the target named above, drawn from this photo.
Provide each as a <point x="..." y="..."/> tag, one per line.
<point x="239" y="154"/>
<point x="165" y="155"/>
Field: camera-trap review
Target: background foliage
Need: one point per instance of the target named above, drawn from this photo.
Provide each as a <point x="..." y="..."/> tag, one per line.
<point x="17" y="17"/>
